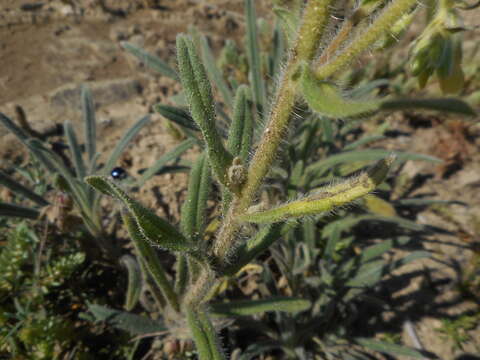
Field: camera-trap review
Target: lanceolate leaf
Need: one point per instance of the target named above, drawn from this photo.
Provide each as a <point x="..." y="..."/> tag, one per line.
<point x="241" y="130"/>
<point x="214" y="73"/>
<point x="123" y="143"/>
<point x="328" y="100"/>
<point x="165" y="159"/>
<point x="150" y="259"/>
<point x="288" y="21"/>
<point x="18" y="188"/>
<point x="158" y="231"/>
<point x="194" y="208"/>
<point x="135" y="282"/>
<point x="251" y="307"/>
<point x="134" y="324"/>
<point x="78" y="189"/>
<point x="24" y="138"/>
<point x="200" y="98"/>
<point x="253" y="52"/>
<point x="442" y="104"/>
<point x="74" y="149"/>
<point x="151" y="61"/>
<point x="12" y="210"/>
<point x="88" y="110"/>
<point x="178" y="115"/>
<point x="327" y="198"/>
<point x="204" y="335"/>
<point x="389" y="348"/>
<point x="368" y="274"/>
<point x="10" y="125"/>
<point x="365" y="155"/>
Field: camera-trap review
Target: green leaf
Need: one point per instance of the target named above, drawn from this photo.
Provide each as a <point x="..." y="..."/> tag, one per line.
<point x="12" y="210"/>
<point x="375" y="251"/>
<point x="151" y="261"/>
<point x="239" y="137"/>
<point x="253" y="53"/>
<point x="151" y="61"/>
<point x="332" y="241"/>
<point x="123" y="143"/>
<point x="288" y="21"/>
<point x="18" y="188"/>
<point x="158" y="231"/>
<point x="163" y="160"/>
<point x="135" y="283"/>
<point x="325" y="199"/>
<point x="363" y="141"/>
<point x="74" y="149"/>
<point x="10" y="125"/>
<point x="178" y="115"/>
<point x="416" y="255"/>
<point x="194" y="208"/>
<point x="452" y="105"/>
<point x="133" y="324"/>
<point x="78" y="189"/>
<point x="368" y="274"/>
<point x="388" y="348"/>
<point x="202" y="107"/>
<point x="204" y="335"/>
<point x="214" y="73"/>
<point x="88" y="110"/>
<point x="241" y="130"/>
<point x="277" y="53"/>
<point x="24" y="138"/>
<point x="326" y="99"/>
<point x="365" y="155"/>
<point x="252" y="307"/>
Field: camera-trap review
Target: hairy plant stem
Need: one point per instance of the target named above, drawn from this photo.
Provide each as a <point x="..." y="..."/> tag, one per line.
<point x="335" y="44"/>
<point x="363" y="40"/>
<point x="315" y="16"/>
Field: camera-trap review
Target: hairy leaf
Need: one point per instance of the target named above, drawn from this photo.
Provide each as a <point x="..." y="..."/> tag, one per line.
<point x="158" y="231"/>
<point x="133" y="324"/>
<point x="251" y="307"/>
<point x="151" y="61"/>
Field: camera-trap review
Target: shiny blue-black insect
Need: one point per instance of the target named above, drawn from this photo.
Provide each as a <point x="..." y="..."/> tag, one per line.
<point x="118" y="173"/>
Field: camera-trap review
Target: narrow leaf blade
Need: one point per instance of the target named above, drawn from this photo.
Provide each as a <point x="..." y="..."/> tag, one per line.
<point x="88" y="110"/>
<point x="452" y="105"/>
<point x="251" y="307"/>
<point x="163" y="160"/>
<point x="178" y="115"/>
<point x="123" y="143"/>
<point x="133" y="324"/>
<point x="388" y="348"/>
<point x="13" y="210"/>
<point x="253" y="53"/>
<point x="16" y="187"/>
<point x="151" y="61"/>
<point x="74" y="149"/>
<point x="154" y="228"/>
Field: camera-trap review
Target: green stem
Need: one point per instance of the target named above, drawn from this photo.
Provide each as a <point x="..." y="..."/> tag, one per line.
<point x="363" y="40"/>
<point x="311" y="30"/>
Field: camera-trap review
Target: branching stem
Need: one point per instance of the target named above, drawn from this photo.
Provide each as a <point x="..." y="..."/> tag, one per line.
<point x="315" y="16"/>
<point x="363" y="40"/>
